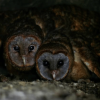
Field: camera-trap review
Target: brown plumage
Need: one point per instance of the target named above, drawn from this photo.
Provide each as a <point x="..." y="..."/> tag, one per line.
<point x="22" y="42"/>
<point x="59" y="45"/>
<point x="81" y="28"/>
<point x="67" y="55"/>
<point x="37" y="24"/>
<point x="84" y="57"/>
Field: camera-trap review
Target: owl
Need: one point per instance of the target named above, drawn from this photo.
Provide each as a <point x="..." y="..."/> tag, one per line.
<point x="66" y="55"/>
<point x="23" y="38"/>
<point x="25" y="30"/>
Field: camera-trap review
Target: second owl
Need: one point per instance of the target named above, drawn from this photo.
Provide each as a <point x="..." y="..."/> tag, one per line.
<point x="66" y="55"/>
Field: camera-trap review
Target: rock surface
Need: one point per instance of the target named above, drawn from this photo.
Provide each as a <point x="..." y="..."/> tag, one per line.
<point x="47" y="90"/>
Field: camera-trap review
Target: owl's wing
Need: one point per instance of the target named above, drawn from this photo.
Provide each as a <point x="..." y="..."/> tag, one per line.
<point x="81" y="45"/>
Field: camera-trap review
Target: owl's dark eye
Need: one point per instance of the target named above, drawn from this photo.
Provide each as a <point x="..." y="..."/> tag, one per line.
<point x="60" y="63"/>
<point x="46" y="63"/>
<point x="31" y="47"/>
<point x="16" y="48"/>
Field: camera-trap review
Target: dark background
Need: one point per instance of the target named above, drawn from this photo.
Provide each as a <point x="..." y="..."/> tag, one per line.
<point x="93" y="5"/>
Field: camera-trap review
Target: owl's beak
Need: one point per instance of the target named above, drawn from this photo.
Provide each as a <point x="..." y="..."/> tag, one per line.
<point x="24" y="60"/>
<point x="54" y="72"/>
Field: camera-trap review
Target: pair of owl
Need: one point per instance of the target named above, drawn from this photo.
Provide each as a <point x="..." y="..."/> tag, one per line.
<point x="53" y="43"/>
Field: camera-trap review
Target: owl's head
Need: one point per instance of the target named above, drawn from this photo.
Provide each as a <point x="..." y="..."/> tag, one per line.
<point x="53" y="61"/>
<point x="22" y="44"/>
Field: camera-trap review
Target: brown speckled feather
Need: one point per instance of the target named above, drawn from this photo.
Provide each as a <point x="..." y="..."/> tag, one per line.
<point x="77" y="48"/>
<point x="82" y="29"/>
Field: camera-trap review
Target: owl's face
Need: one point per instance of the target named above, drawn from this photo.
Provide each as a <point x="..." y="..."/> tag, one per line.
<point x="53" y="66"/>
<point x="21" y="51"/>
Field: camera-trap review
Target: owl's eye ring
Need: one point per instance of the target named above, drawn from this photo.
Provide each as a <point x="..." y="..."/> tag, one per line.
<point x="30" y="48"/>
<point x="16" y="48"/>
<point x="60" y="63"/>
<point x="46" y="63"/>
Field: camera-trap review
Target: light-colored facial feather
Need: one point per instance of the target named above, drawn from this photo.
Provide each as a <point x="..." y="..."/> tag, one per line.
<point x="23" y="57"/>
<point x="53" y="59"/>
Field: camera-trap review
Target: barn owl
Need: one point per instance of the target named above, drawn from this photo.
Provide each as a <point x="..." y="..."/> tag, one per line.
<point x="66" y="55"/>
<point x="21" y="44"/>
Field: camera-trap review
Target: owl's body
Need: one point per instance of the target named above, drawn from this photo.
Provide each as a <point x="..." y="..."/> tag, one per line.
<point x="86" y="63"/>
<point x="20" y="28"/>
<point x="71" y="58"/>
<point x="22" y="41"/>
<point x="81" y="27"/>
